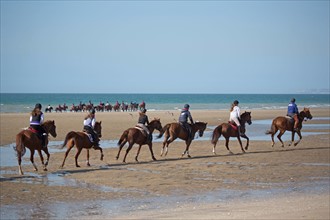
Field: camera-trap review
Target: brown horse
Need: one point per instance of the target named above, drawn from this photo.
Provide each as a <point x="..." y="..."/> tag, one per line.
<point x="27" y="138"/>
<point x="175" y="130"/>
<point x="285" y="124"/>
<point x="81" y="140"/>
<point x="228" y="131"/>
<point x="136" y="136"/>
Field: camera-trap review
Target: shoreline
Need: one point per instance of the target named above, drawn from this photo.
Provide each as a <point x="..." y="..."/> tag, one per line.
<point x="197" y="187"/>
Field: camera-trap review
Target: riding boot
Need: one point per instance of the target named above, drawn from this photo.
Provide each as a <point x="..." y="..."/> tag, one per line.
<point x="239" y="129"/>
<point x="150" y="137"/>
<point x="43" y="140"/>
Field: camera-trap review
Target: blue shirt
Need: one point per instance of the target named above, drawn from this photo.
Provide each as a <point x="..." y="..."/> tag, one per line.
<point x="292" y="109"/>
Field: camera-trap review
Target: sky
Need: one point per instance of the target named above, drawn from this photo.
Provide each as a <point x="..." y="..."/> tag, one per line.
<point x="165" y="47"/>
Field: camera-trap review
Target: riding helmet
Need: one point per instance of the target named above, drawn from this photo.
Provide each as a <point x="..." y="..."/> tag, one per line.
<point x="186" y="106"/>
<point x="92" y="111"/>
<point x="293" y="100"/>
<point x="236" y="102"/>
<point x="38" y="105"/>
<point x="144" y="110"/>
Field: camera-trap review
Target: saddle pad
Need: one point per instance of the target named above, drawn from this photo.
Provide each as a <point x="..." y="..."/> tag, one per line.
<point x="33" y="130"/>
<point x="233" y="126"/>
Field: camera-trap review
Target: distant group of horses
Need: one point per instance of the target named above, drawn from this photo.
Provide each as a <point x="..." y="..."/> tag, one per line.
<point x="172" y="131"/>
<point x="102" y="107"/>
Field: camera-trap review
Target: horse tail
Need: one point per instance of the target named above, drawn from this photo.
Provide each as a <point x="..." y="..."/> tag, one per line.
<point x="20" y="148"/>
<point x="216" y="134"/>
<point x="123" y="137"/>
<point x="165" y="128"/>
<point x="272" y="129"/>
<point x="69" y="136"/>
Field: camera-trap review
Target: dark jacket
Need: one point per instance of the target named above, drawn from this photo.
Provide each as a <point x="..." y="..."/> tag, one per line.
<point x="143" y="119"/>
<point x="292" y="109"/>
<point x="185" y="114"/>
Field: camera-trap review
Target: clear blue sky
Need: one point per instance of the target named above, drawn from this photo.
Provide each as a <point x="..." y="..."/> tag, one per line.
<point x="164" y="46"/>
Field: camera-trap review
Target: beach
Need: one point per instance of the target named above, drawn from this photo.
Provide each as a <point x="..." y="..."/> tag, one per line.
<point x="264" y="183"/>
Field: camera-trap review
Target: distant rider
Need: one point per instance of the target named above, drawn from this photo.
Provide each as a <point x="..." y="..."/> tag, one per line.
<point x="235" y="116"/>
<point x="89" y="123"/>
<point x="183" y="120"/>
<point x="293" y="112"/>
<point x="143" y="121"/>
<point x="36" y="120"/>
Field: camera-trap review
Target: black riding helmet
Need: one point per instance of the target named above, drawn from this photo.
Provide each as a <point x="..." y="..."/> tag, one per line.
<point x="38" y="105"/>
<point x="236" y="102"/>
<point x="293" y="100"/>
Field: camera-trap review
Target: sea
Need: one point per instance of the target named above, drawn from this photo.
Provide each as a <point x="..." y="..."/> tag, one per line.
<point x="21" y="103"/>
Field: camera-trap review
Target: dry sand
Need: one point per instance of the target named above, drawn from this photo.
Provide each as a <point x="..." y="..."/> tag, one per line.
<point x="264" y="183"/>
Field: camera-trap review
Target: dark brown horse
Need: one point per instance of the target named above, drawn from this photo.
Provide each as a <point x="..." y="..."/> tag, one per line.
<point x="227" y="130"/>
<point x="136" y="136"/>
<point x="285" y="124"/>
<point x="81" y="140"/>
<point x="27" y="138"/>
<point x="175" y="130"/>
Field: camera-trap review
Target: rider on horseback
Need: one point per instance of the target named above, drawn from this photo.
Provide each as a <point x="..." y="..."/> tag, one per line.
<point x="293" y="113"/>
<point x="235" y="116"/>
<point x="183" y="120"/>
<point x="36" y="119"/>
<point x="89" y="123"/>
<point x="143" y="120"/>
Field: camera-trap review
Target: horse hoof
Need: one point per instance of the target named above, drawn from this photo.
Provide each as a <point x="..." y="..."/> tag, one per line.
<point x="189" y="156"/>
<point x="45" y="169"/>
<point x="102" y="157"/>
<point x="88" y="164"/>
<point x="154" y="159"/>
<point x="77" y="166"/>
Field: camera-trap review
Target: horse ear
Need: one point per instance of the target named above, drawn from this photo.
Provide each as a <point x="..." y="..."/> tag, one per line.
<point x="100" y="122"/>
<point x="53" y="121"/>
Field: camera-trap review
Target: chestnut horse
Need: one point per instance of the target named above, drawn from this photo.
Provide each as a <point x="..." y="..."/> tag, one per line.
<point x="136" y="136"/>
<point x="27" y="138"/>
<point x="175" y="130"/>
<point x="227" y="130"/>
<point x="285" y="124"/>
<point x="81" y="140"/>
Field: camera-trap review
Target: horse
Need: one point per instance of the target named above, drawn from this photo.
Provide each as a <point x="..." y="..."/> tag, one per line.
<point x="49" y="109"/>
<point x="175" y="130"/>
<point x="285" y="124"/>
<point x="29" y="139"/>
<point x="116" y="107"/>
<point x="81" y="140"/>
<point x="136" y="136"/>
<point x="227" y="130"/>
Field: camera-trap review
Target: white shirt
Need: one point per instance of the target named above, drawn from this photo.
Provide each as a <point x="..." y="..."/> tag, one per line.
<point x="89" y="122"/>
<point x="235" y="113"/>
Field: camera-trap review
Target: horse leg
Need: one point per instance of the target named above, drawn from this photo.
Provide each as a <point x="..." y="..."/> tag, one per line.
<point x="65" y="156"/>
<point x="19" y="159"/>
<point x="292" y="138"/>
<point x="101" y="150"/>
<point x="168" y="143"/>
<point x="215" y="144"/>
<point x="128" y="149"/>
<point x="279" y="137"/>
<point x="42" y="160"/>
<point x="77" y="155"/>
<point x="151" y="151"/>
<point x="120" y="148"/>
<point x="164" y="145"/>
<point x="32" y="160"/>
<point x="227" y="145"/>
<point x="48" y="155"/>
<point x="188" y="142"/>
<point x="240" y="143"/>
<point x="300" y="137"/>
<point x="247" y="141"/>
<point x="137" y="154"/>
<point x="87" y="161"/>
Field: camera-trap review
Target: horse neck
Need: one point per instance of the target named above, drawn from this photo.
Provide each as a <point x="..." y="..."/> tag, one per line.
<point x="46" y="127"/>
<point x="301" y="116"/>
<point x="195" y="127"/>
<point x="151" y="127"/>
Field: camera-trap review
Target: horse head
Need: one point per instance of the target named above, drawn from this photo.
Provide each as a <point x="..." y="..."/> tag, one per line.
<point x="98" y="128"/>
<point x="246" y="117"/>
<point x="155" y="124"/>
<point x="50" y="127"/>
<point x="306" y="114"/>
<point x="201" y="126"/>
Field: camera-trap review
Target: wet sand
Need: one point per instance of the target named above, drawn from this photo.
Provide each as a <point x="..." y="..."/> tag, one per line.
<point x="265" y="182"/>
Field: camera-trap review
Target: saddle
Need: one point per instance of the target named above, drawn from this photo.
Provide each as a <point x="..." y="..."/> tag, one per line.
<point x="291" y="119"/>
<point x="142" y="130"/>
<point x="33" y="130"/>
<point x="233" y="125"/>
<point x="90" y="137"/>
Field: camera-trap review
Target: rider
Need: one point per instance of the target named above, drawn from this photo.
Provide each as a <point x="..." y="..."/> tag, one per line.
<point x="183" y="120"/>
<point x="235" y="116"/>
<point x="293" y="113"/>
<point x="89" y="124"/>
<point x="36" y="119"/>
<point x="143" y="120"/>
